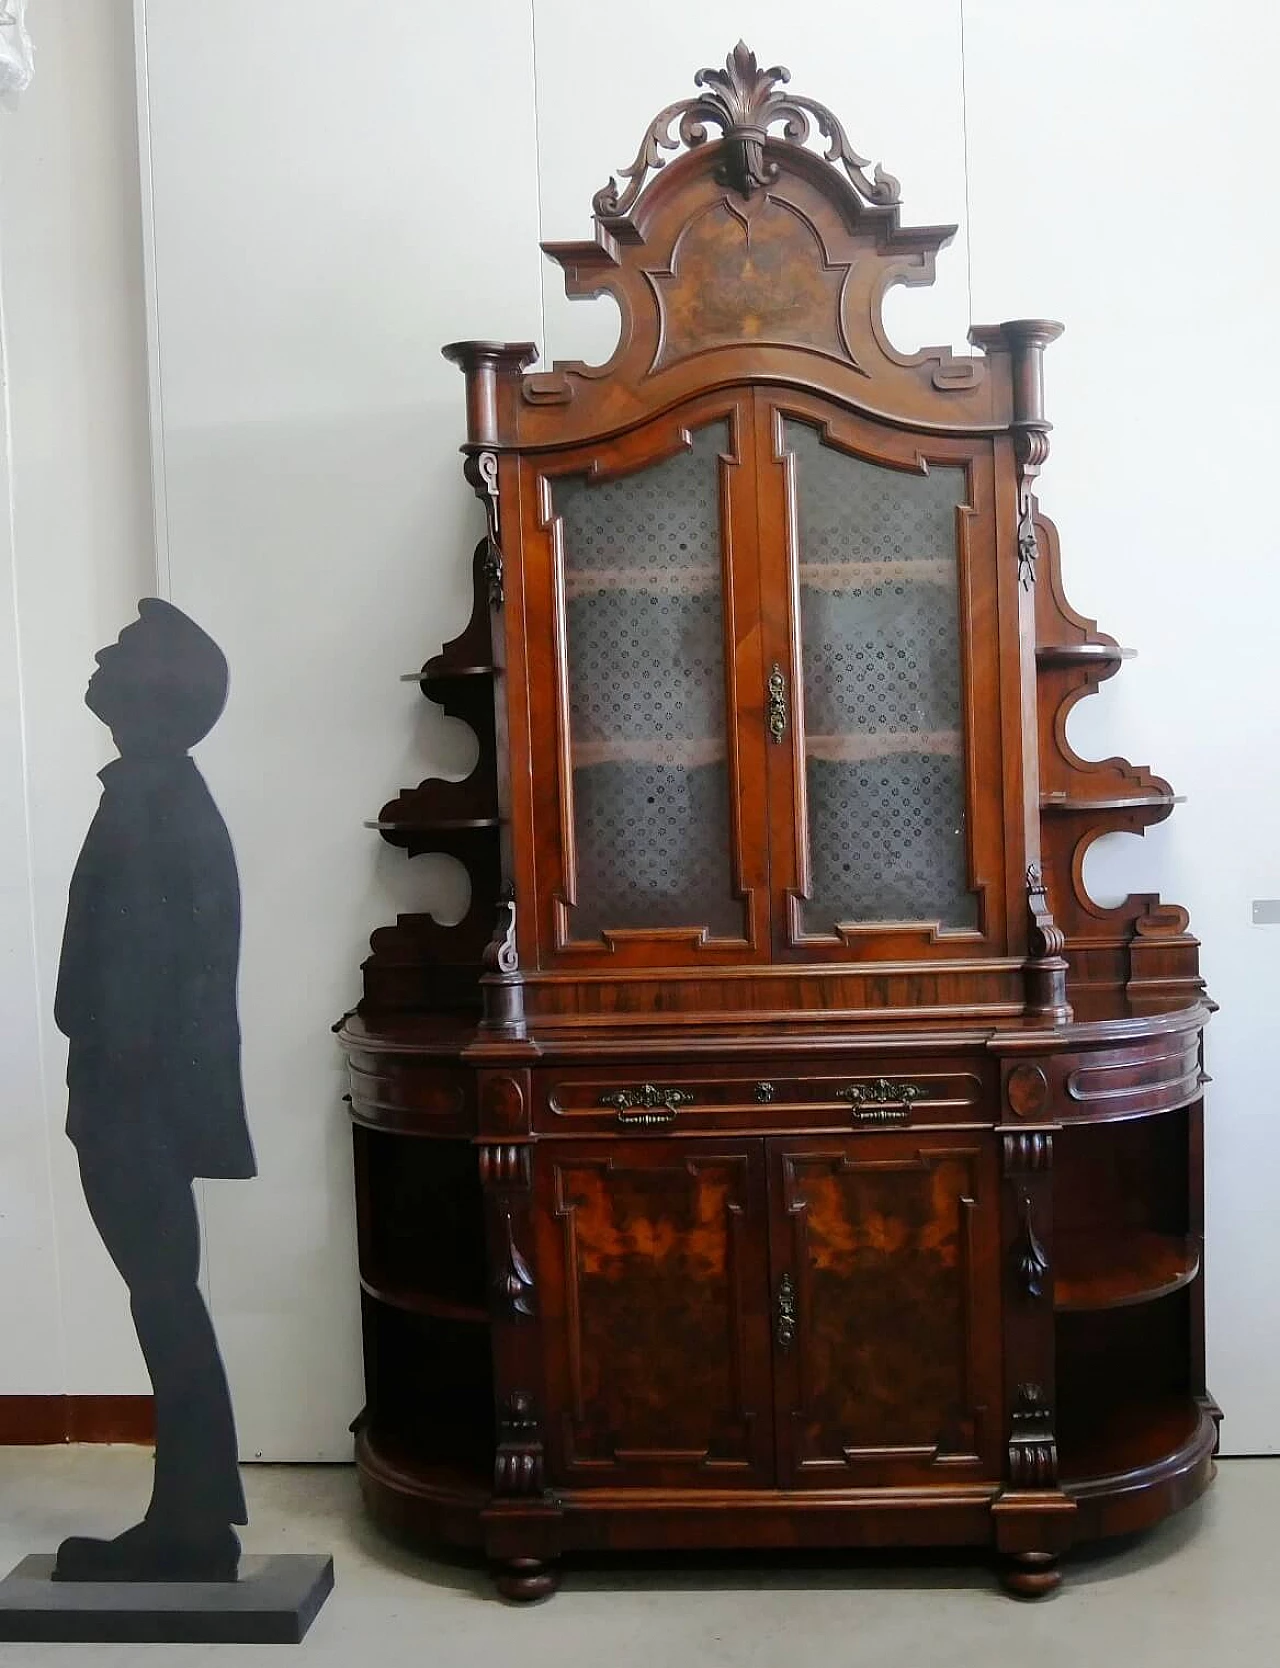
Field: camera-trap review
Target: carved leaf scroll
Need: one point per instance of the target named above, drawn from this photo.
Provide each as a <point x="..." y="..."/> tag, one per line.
<point x="744" y="102"/>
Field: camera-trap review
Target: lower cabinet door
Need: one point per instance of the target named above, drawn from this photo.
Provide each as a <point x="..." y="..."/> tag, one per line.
<point x="653" y="1285"/>
<point x="885" y="1250"/>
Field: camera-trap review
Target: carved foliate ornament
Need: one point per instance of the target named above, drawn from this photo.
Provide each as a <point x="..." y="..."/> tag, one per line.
<point x="513" y="1284"/>
<point x="1030" y="1260"/>
<point x="744" y="102"/>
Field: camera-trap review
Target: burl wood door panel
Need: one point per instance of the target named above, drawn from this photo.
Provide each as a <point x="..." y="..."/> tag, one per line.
<point x="653" y="1274"/>
<point x="886" y="1310"/>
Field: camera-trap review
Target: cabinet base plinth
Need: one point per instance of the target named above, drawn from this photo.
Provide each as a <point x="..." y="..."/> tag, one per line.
<point x="1027" y="1531"/>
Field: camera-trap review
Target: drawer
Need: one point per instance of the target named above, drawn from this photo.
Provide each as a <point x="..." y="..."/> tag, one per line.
<point x="615" y="1099"/>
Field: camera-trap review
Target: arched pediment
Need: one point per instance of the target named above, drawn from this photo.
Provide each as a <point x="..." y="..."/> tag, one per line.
<point x="753" y="255"/>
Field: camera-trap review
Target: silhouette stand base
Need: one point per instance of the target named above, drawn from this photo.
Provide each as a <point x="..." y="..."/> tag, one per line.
<point x="274" y="1602"/>
<point x="149" y="1553"/>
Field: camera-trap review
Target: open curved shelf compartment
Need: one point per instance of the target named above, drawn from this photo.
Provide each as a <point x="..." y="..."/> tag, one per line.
<point x="1096" y="1453"/>
<point x="414" y="1301"/>
<point x="1114" y="1270"/>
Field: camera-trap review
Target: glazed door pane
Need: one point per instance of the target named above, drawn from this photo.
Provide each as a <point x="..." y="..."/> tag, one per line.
<point x="653" y="1264"/>
<point x="889" y="1372"/>
<point x="646" y="673"/>
<point x="882" y="712"/>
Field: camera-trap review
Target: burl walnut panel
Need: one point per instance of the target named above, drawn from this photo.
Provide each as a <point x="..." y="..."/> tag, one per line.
<point x="891" y="1377"/>
<point x="654" y="1272"/>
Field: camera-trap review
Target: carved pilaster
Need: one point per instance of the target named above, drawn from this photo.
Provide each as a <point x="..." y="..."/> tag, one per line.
<point x="1027" y="1154"/>
<point x="506" y="1156"/>
<point x="1033" y="1449"/>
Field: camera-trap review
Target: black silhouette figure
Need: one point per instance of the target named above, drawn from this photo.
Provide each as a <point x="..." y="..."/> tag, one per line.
<point x="147" y="998"/>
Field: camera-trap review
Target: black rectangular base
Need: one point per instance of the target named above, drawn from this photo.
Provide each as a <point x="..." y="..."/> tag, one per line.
<point x="274" y="1602"/>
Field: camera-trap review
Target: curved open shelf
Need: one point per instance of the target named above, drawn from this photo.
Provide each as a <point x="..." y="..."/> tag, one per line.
<point x="1065" y="804"/>
<point x="446" y="674"/>
<point x="417" y="1302"/>
<point x="1113" y="1270"/>
<point x="1117" y="1442"/>
<point x="1128" y="1467"/>
<point x="1082" y="654"/>
<point x="433" y="825"/>
<point x="419" y="1497"/>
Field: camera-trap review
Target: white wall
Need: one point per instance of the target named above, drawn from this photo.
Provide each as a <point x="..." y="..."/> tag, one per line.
<point x="335" y="194"/>
<point x="1127" y="189"/>
<point x="75" y="545"/>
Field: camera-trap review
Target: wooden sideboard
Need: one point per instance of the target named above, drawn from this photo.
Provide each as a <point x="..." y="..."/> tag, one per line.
<point x="783" y="1149"/>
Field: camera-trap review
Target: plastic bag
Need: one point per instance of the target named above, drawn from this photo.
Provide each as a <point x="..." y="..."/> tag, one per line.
<point x="16" y="56"/>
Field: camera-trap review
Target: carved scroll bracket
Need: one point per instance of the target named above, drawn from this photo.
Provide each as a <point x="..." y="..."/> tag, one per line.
<point x="517" y="1466"/>
<point x="501" y="986"/>
<point x="1047" y="973"/>
<point x="1025" y="340"/>
<point x="1031" y="449"/>
<point x="1028" y="1151"/>
<point x="1033" y="1450"/>
<point x="481" y="471"/>
<point x="744" y="102"/>
<point x="505" y="1164"/>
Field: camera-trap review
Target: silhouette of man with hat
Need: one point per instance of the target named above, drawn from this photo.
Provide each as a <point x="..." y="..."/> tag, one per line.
<point x="147" y="999"/>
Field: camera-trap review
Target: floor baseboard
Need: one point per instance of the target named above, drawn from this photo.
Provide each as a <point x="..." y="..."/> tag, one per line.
<point x="27" y="1421"/>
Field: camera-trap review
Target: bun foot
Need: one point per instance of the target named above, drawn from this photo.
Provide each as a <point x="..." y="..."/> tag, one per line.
<point x="1030" y="1575"/>
<point x="525" y="1580"/>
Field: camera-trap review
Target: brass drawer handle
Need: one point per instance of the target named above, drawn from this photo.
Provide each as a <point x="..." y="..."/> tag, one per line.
<point x="881" y="1102"/>
<point x="647" y="1104"/>
<point x="786" y="1319"/>
<point x="777" y="707"/>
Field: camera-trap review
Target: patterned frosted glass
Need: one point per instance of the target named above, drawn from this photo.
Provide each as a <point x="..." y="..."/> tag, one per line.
<point x="880" y="645"/>
<point x="642" y="580"/>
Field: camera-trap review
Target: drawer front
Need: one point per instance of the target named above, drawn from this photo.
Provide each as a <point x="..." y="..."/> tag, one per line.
<point x="783" y="1094"/>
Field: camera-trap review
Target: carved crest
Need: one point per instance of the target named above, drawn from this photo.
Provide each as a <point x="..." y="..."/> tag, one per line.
<point x="768" y="242"/>
<point x="744" y="102"/>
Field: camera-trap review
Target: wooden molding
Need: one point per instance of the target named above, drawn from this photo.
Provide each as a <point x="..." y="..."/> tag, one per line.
<point x="33" y="1421"/>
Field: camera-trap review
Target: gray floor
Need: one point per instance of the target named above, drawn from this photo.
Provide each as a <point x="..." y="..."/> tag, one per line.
<point x="1202" y="1590"/>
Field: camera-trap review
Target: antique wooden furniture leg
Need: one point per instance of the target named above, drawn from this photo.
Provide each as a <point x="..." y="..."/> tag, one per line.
<point x="1030" y="1575"/>
<point x="525" y="1580"/>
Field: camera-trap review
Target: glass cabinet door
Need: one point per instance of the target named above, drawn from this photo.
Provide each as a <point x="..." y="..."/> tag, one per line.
<point x="645" y="580"/>
<point x="878" y="709"/>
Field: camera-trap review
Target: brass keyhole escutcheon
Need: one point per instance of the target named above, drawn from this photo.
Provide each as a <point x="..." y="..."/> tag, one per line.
<point x="777" y="706"/>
